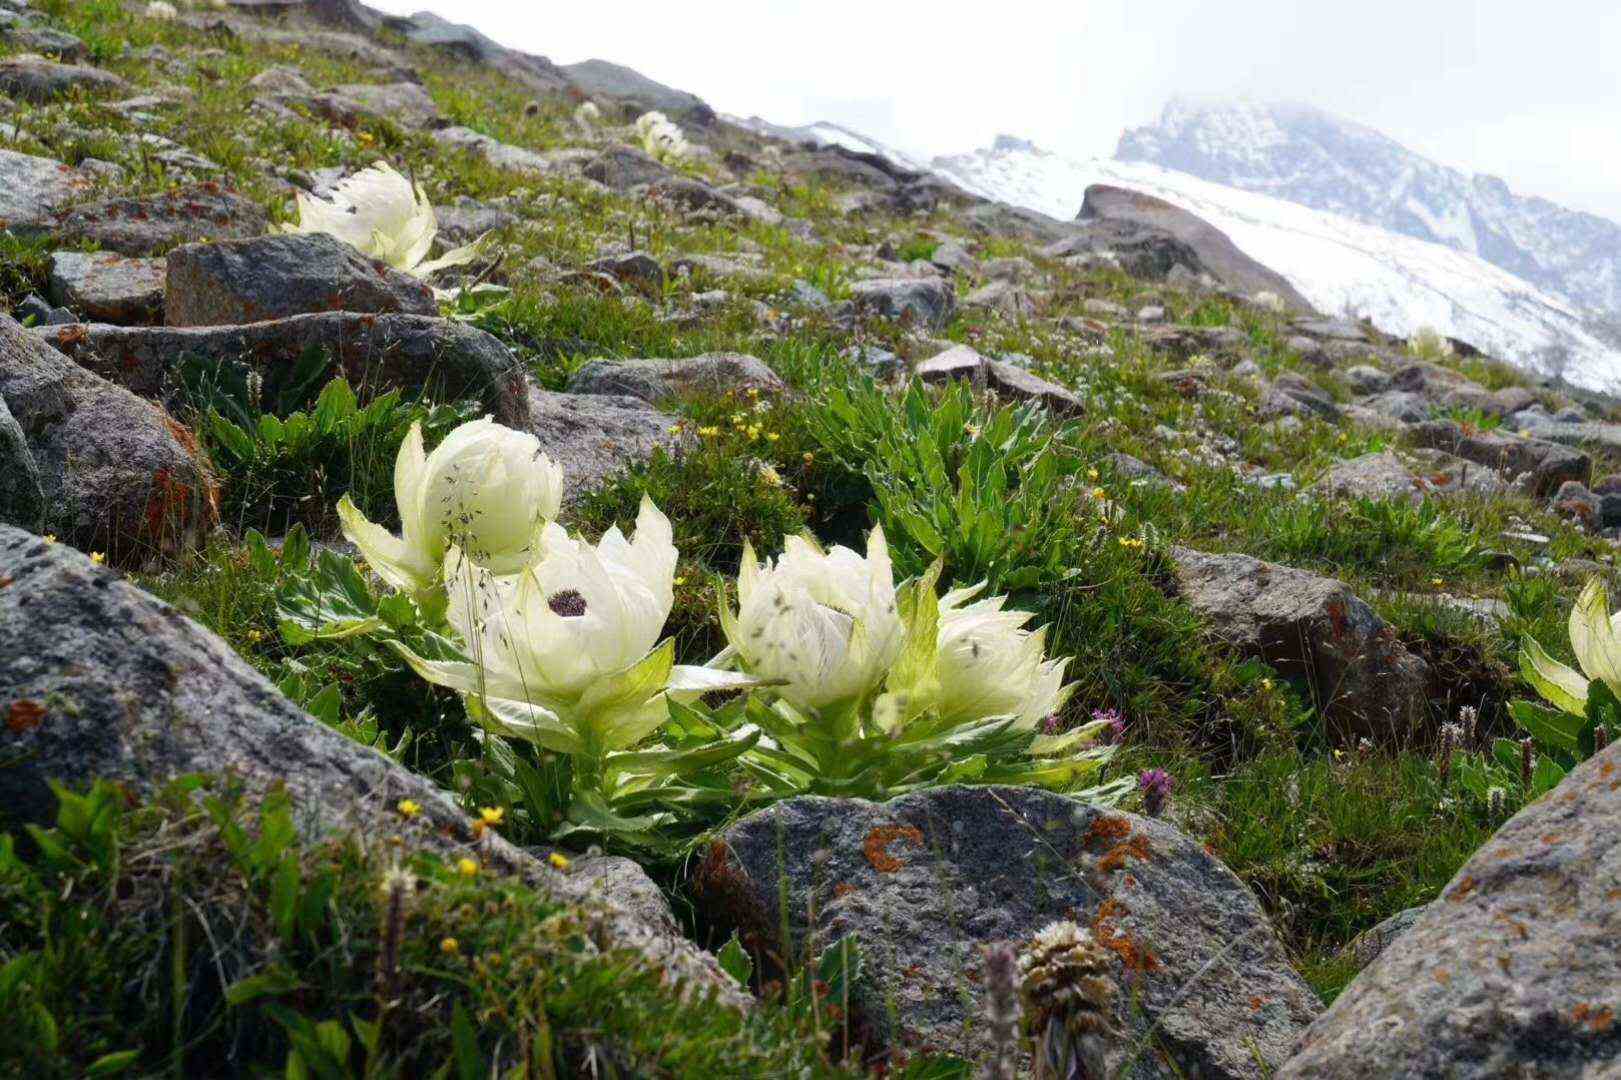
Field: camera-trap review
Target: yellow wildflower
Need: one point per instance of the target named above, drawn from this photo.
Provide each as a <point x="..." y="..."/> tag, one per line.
<point x="450" y="946"/>
<point x="409" y="808"/>
<point x="97" y="557"/>
<point x="558" y="860"/>
<point x="49" y="538"/>
<point x="467" y="868"/>
<point x="708" y="432"/>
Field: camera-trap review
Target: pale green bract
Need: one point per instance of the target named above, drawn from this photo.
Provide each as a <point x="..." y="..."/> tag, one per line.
<point x="1595" y="638"/>
<point x="991" y="666"/>
<point x="385" y="217"/>
<point x="825" y="623"/>
<point x="566" y="653"/>
<point x="487" y="490"/>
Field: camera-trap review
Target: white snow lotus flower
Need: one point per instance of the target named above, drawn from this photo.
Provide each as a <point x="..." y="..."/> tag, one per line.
<point x="565" y="654"/>
<point x="162" y="10"/>
<point x="662" y="138"/>
<point x="825" y="623"/>
<point x="1595" y="637"/>
<point x="991" y="666"/>
<point x="385" y="217"/>
<point x="486" y="489"/>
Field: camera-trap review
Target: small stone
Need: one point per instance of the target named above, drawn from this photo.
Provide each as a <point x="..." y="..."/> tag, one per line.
<point x="104" y="286"/>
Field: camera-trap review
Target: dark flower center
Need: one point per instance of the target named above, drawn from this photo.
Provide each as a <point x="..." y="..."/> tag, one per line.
<point x="568" y="603"/>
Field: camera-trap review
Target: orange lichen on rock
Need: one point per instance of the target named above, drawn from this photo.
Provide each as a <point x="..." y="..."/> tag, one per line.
<point x="24" y="716"/>
<point x="1133" y="954"/>
<point x="1107" y="831"/>
<point x="1134" y="848"/>
<point x="876" y="846"/>
<point x="1597" y="1018"/>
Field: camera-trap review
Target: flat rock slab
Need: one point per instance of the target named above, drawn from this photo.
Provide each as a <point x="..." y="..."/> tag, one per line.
<point x="35" y="79"/>
<point x="926" y="881"/>
<point x="656" y="381"/>
<point x="406" y="103"/>
<point x="593" y="436"/>
<point x="441" y="359"/>
<point x="1548" y="463"/>
<point x="273" y="277"/>
<point x="1363" y="681"/>
<point x="118" y="473"/>
<point x="1513" y="971"/>
<point x="33" y="188"/>
<point x="108" y="287"/>
<point x="121" y="686"/>
<point x="928" y="302"/>
<point x="152" y="225"/>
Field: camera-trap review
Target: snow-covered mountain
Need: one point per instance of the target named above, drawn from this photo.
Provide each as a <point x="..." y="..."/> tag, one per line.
<point x="1308" y="156"/>
<point x="1342" y="266"/>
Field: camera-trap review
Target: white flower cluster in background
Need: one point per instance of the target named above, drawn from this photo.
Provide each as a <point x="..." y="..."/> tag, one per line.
<point x="662" y="138"/>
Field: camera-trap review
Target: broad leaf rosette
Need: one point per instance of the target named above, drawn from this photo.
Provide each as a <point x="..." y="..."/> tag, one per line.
<point x="565" y="654"/>
<point x="1586" y="704"/>
<point x="486" y="490"/>
<point x="385" y="217"/>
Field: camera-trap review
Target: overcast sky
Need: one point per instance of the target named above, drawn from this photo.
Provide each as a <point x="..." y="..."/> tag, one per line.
<point x="1526" y="92"/>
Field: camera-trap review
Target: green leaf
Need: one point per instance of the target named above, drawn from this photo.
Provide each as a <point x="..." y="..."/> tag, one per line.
<point x="274" y="981"/>
<point x="735" y="961"/>
<point x="658" y="764"/>
<point x="113" y="1064"/>
<point x="1552" y="729"/>
<point x="469" y="1059"/>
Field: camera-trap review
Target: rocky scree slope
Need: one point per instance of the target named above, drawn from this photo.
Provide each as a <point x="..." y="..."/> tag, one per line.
<point x="1282" y="548"/>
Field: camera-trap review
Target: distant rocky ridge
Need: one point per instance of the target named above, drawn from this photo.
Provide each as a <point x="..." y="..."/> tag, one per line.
<point x="1308" y="156"/>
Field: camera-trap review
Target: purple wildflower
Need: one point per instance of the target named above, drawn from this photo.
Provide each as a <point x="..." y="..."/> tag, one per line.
<point x="1050" y="725"/>
<point x="1156" y="785"/>
<point x="1116" y="722"/>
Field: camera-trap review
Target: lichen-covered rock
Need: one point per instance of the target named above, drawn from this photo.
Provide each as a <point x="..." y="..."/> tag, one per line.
<point x="273" y="277"/>
<point x="1512" y="972"/>
<point x="928" y="302"/>
<point x="103" y="681"/>
<point x="1410" y="477"/>
<point x="107" y="287"/>
<point x="501" y="155"/>
<point x="151" y="225"/>
<point x="655" y="381"/>
<point x="118" y="474"/>
<point x="439" y="359"/>
<point x="1363" y="680"/>
<point x="926" y="881"/>
<point x="22" y="501"/>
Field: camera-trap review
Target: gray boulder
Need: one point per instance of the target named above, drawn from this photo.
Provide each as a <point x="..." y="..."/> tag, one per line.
<point x="1366" y="379"/>
<point x="599" y="77"/>
<point x="1513" y="971"/>
<point x="926" y="881"/>
<point x="465" y="220"/>
<point x="501" y="155"/>
<point x="927" y="302"/>
<point x="637" y="269"/>
<point x="125" y="688"/>
<point x="1003" y="296"/>
<point x="37" y="80"/>
<point x="1150" y="237"/>
<point x="1363" y="681"/>
<point x="1014" y="383"/>
<point x="439" y="359"/>
<point x="1387" y="475"/>
<point x="656" y="381"/>
<point x="108" y="287"/>
<point x="593" y="436"/>
<point x="42" y="39"/>
<point x="1549" y="464"/>
<point x="118" y="474"/>
<point x="622" y="168"/>
<point x="406" y="103"/>
<point x="33" y="188"/>
<point x="1401" y="405"/>
<point x="150" y="225"/>
<point x="273" y="277"/>
<point x="22" y="500"/>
